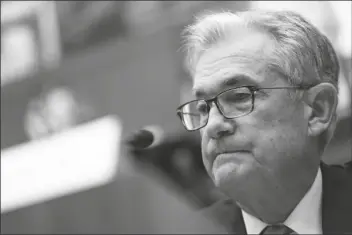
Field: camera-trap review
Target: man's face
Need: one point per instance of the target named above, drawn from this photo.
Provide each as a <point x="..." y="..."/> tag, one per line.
<point x="264" y="151"/>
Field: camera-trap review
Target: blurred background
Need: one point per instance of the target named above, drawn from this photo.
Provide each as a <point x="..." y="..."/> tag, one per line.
<point x="85" y="75"/>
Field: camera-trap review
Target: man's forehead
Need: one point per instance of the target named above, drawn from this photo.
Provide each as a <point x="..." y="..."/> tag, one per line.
<point x="214" y="61"/>
<point x="231" y="72"/>
<point x="208" y="86"/>
<point x="251" y="46"/>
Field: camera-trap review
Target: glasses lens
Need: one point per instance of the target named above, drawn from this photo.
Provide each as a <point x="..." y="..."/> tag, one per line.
<point x="235" y="102"/>
<point x="194" y="114"/>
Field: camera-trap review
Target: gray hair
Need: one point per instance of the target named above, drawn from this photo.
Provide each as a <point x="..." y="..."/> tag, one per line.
<point x="302" y="53"/>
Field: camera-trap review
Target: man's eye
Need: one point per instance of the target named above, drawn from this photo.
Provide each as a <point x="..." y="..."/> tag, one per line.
<point x="202" y="108"/>
<point x="239" y="97"/>
<point x="243" y="96"/>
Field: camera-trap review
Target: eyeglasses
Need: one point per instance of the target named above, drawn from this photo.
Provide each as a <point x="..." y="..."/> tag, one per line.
<point x="232" y="103"/>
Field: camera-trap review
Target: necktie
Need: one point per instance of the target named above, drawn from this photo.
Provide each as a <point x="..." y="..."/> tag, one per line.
<point x="277" y="229"/>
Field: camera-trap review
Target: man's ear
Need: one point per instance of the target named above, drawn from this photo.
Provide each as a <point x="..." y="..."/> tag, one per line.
<point x="322" y="99"/>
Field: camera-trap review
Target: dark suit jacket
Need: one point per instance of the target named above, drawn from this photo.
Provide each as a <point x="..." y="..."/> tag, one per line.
<point x="336" y="205"/>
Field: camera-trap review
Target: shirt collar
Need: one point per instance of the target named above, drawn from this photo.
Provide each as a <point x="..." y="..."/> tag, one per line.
<point x="304" y="219"/>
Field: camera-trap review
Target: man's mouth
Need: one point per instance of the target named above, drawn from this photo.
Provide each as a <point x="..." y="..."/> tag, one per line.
<point x="230" y="152"/>
<point x="229" y="155"/>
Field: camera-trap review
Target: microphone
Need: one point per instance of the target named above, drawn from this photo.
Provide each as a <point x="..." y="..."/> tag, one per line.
<point x="147" y="137"/>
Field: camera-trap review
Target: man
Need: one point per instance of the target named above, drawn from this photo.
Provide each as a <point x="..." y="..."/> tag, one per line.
<point x="266" y="94"/>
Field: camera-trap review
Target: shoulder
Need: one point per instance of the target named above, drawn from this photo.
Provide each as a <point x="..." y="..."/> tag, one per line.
<point x="341" y="174"/>
<point x="337" y="194"/>
<point x="348" y="166"/>
<point x="338" y="177"/>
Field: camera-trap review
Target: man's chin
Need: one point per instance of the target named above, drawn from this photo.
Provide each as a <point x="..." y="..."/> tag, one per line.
<point x="227" y="176"/>
<point x="223" y="174"/>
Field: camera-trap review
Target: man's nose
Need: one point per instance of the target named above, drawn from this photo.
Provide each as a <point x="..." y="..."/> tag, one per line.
<point x="218" y="126"/>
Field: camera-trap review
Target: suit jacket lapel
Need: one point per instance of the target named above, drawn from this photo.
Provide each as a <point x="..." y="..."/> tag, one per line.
<point x="337" y="200"/>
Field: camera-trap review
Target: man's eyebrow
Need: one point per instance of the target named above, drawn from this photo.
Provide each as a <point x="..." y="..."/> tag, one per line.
<point x="232" y="81"/>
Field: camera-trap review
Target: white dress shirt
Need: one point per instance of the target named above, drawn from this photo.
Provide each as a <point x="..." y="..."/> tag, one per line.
<point x="304" y="219"/>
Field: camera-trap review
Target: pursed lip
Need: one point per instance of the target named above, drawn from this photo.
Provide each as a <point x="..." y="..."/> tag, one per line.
<point x="216" y="154"/>
<point x="232" y="151"/>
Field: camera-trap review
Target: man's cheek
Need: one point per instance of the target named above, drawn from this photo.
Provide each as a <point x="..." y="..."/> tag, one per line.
<point x="263" y="143"/>
<point x="207" y="164"/>
<point x="269" y="116"/>
<point x="205" y="143"/>
<point x="202" y="132"/>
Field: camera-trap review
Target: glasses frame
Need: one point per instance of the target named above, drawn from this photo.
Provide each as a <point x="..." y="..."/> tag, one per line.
<point x="214" y="99"/>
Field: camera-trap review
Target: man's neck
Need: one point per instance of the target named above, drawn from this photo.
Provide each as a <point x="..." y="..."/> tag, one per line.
<point x="276" y="210"/>
<point x="305" y="217"/>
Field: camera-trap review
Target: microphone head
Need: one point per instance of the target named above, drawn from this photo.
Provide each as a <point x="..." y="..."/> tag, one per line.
<point x="147" y="137"/>
<point x="142" y="139"/>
